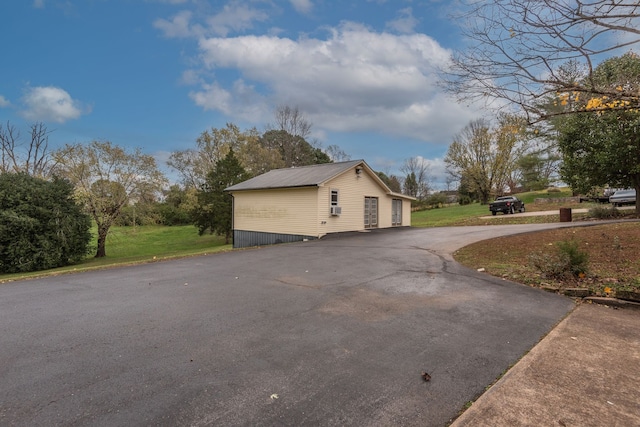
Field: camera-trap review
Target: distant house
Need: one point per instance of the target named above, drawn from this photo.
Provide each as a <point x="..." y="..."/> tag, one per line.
<point x="309" y="202"/>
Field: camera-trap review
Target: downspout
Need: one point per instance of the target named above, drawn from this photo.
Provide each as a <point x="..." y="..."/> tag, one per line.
<point x="233" y="217"/>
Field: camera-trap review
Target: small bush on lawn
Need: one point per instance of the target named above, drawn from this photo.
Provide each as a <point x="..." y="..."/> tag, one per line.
<point x="437" y="200"/>
<point x="568" y="261"/>
<point x="602" y="212"/>
<point x="464" y="200"/>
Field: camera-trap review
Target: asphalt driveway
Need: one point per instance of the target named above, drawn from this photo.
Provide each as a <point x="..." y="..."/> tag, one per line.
<point x="331" y="332"/>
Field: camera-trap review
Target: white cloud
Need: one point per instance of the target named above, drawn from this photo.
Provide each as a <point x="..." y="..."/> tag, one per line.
<point x="178" y="26"/>
<point x="405" y="23"/>
<point x="440" y="179"/>
<point x="232" y="17"/>
<point x="50" y="103"/>
<point x="235" y="17"/>
<point x="241" y="101"/>
<point x="190" y="77"/>
<point x="355" y="80"/>
<point x="4" y="102"/>
<point x="38" y="4"/>
<point x="302" y="6"/>
<point x="213" y="97"/>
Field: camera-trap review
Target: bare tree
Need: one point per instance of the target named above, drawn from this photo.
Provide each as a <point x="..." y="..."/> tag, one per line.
<point x="32" y="158"/>
<point x="417" y="182"/>
<point x="337" y="154"/>
<point x="106" y="178"/>
<point x="518" y="49"/>
<point x="449" y="181"/>
<point x="485" y="157"/>
<point x="291" y="120"/>
<point x="211" y="146"/>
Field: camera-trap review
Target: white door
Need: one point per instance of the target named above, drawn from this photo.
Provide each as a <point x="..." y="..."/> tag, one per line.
<point x="370" y="212"/>
<point x="396" y="212"/>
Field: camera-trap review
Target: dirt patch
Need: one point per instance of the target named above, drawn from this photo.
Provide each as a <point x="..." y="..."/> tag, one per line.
<point x="370" y="306"/>
<point x="297" y="281"/>
<point x="613" y="267"/>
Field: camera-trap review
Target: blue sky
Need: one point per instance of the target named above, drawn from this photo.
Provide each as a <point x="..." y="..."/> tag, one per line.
<point x="155" y="74"/>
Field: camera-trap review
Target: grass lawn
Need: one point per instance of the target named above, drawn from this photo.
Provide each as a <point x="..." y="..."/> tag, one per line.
<point x="131" y="245"/>
<point x="159" y="241"/>
<point x="451" y="215"/>
<point x="448" y="215"/>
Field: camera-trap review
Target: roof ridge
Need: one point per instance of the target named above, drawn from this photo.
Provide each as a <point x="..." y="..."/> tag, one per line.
<point x="319" y="165"/>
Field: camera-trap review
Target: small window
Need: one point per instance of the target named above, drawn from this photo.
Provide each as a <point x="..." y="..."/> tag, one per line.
<point x="334" y="197"/>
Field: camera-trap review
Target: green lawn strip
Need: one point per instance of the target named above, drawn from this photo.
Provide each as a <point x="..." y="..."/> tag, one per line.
<point x="454" y="215"/>
<point x="447" y="215"/>
<point x="126" y="242"/>
<point x="133" y="245"/>
<point x="531" y="196"/>
<point x="140" y="244"/>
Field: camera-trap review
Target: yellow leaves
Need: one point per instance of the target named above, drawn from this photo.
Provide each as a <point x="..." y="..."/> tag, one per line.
<point x="608" y="290"/>
<point x="565" y="98"/>
<point x="594" y="104"/>
<point x="603" y="103"/>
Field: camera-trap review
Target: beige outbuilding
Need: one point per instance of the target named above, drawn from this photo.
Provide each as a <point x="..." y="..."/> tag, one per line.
<point x="309" y="202"/>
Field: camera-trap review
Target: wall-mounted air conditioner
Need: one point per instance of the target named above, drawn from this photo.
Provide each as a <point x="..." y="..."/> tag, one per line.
<point x="336" y="210"/>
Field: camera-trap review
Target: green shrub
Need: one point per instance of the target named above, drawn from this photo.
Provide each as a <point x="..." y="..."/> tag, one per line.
<point x="139" y="214"/>
<point x="437" y="200"/>
<point x="41" y="226"/>
<point x="577" y="259"/>
<point x="568" y="261"/>
<point x="419" y="205"/>
<point x="172" y="215"/>
<point x="551" y="266"/>
<point x="464" y="200"/>
<point x="603" y="212"/>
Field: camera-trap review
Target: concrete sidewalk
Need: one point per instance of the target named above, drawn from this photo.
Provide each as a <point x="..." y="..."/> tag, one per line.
<point x="586" y="372"/>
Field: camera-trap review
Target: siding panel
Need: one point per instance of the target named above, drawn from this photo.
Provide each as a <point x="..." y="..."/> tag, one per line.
<point x="284" y="211"/>
<point x="247" y="239"/>
<point x="353" y="189"/>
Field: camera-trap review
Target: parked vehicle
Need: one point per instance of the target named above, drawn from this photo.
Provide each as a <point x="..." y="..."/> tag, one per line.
<point x="506" y="205"/>
<point x="623" y="197"/>
<point x="599" y="196"/>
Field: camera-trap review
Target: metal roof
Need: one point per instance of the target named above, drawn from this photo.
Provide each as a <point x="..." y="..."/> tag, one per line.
<point x="303" y="176"/>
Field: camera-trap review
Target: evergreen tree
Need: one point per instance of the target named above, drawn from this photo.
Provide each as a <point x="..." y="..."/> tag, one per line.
<point x="214" y="211"/>
<point x="411" y="185"/>
<point x="41" y="225"/>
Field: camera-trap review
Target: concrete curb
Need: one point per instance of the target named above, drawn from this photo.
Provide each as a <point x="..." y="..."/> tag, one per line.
<point x="583" y="373"/>
<point x="613" y="302"/>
